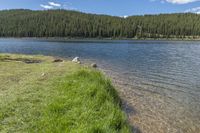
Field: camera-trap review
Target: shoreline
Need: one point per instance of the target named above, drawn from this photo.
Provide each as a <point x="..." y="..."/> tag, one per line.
<point x="125" y="107"/>
<point x="98" y="104"/>
<point x="101" y="39"/>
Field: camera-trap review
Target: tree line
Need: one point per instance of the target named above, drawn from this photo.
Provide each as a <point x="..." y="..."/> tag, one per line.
<point x="63" y="23"/>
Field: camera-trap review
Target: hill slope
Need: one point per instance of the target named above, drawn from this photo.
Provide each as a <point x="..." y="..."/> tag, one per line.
<point x="63" y="23"/>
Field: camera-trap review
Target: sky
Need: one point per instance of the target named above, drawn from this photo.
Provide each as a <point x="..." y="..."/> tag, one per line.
<point x="109" y="7"/>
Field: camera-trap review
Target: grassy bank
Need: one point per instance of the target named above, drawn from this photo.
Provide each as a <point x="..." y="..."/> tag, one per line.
<point x="39" y="95"/>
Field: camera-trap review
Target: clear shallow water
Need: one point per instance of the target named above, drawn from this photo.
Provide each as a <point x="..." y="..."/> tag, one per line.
<point x="160" y="80"/>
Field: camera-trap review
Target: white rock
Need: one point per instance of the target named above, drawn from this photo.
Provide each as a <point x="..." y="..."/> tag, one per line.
<point x="76" y="60"/>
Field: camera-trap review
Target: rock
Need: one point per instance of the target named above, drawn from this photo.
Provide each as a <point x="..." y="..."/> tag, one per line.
<point x="76" y="60"/>
<point x="58" y="60"/>
<point x="94" y="65"/>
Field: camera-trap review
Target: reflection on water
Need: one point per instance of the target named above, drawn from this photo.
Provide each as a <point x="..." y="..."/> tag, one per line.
<point x="160" y="80"/>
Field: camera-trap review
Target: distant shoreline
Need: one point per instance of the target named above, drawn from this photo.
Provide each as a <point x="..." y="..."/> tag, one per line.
<point x="99" y="39"/>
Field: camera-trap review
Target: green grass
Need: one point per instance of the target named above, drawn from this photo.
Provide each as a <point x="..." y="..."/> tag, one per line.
<point x="56" y="97"/>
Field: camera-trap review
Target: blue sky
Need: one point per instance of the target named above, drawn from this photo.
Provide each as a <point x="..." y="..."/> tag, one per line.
<point x="110" y="7"/>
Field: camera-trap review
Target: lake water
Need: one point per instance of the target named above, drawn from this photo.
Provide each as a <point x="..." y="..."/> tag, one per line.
<point x="159" y="80"/>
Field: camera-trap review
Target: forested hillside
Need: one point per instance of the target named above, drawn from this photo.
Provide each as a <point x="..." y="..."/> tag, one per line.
<point x="62" y="23"/>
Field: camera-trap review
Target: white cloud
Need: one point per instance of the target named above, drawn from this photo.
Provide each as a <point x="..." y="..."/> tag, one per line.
<point x="46" y="6"/>
<point x="181" y="1"/>
<point x="69" y="6"/>
<point x="54" y="4"/>
<point x="176" y="1"/>
<point x="194" y="10"/>
<point x="125" y="16"/>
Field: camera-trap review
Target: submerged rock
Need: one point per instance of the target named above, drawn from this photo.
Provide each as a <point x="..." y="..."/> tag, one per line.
<point x="76" y="60"/>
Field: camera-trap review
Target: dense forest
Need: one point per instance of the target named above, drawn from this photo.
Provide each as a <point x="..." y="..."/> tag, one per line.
<point x="63" y="23"/>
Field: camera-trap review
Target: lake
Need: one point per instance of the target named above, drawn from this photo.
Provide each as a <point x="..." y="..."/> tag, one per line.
<point x="159" y="80"/>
